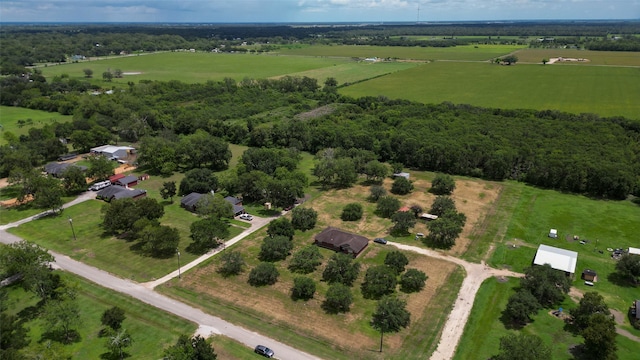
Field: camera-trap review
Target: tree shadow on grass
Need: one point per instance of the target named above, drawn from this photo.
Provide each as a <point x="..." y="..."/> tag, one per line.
<point x="30" y="312"/>
<point x="60" y="336"/>
<point x="114" y="356"/>
<point x="432" y="244"/>
<point x="620" y="280"/>
<point x="579" y="352"/>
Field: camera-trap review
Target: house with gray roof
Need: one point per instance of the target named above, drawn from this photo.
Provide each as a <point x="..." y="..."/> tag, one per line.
<point x="57" y="169"/>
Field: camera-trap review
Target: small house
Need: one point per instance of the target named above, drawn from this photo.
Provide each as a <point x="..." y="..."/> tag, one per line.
<point x="589" y="275"/>
<point x="127" y="181"/>
<point x="553" y="233"/>
<point x="57" y="169"/>
<point x="116" y="177"/>
<point x="118" y="192"/>
<point x="189" y="201"/>
<point x="236" y="204"/>
<point x="342" y="241"/>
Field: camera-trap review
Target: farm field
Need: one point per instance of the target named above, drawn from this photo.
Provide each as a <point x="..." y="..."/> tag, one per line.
<point x="612" y="58"/>
<point x="355" y="71"/>
<point x="466" y="53"/>
<point x="151" y="330"/>
<point x="200" y="67"/>
<point x="606" y="91"/>
<point x="10" y="117"/>
<point x="484" y="329"/>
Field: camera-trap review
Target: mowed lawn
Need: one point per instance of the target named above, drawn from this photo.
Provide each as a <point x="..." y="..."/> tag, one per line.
<point x="467" y="52"/>
<point x="483" y="331"/>
<point x="602" y="224"/>
<point x="194" y="67"/>
<point x="10" y="116"/>
<point x="151" y="330"/>
<point x="607" y="91"/>
<point x="354" y="72"/>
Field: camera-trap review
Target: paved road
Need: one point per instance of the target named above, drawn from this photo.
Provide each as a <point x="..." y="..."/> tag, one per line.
<point x="144" y="292"/>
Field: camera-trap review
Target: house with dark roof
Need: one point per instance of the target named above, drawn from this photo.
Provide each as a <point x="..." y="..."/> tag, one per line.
<point x="116" y="177"/>
<point x="57" y="169"/>
<point x="237" y="205"/>
<point x="127" y="181"/>
<point x="342" y="241"/>
<point x="119" y="192"/>
<point x="189" y="201"/>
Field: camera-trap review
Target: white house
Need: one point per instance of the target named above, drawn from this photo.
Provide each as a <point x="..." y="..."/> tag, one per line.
<point x="559" y="259"/>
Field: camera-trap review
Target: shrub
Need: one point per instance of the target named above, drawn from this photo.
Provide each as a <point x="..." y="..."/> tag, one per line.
<point x="412" y="281"/>
<point x="304" y="218"/>
<point x="351" y="212"/>
<point x="387" y="206"/>
<point x="263" y="274"/>
<point x="232" y="263"/>
<point x="443" y="184"/>
<point x="376" y="192"/>
<point x="338" y="299"/>
<point x="306" y="260"/>
<point x="401" y="186"/>
<point x="303" y="288"/>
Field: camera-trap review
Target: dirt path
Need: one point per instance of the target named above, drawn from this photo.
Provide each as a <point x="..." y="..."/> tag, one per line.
<point x="476" y="275"/>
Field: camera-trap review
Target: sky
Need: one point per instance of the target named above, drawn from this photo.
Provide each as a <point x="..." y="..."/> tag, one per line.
<point x="311" y="11"/>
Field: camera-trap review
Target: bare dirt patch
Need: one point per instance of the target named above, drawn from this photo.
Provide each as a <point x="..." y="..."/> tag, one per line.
<point x="307" y="317"/>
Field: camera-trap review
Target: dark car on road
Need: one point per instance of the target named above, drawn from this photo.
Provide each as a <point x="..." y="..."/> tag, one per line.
<point x="264" y="351"/>
<point x="380" y="240"/>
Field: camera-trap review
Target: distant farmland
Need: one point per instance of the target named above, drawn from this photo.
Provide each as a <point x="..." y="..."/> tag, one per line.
<point x="10" y="120"/>
<point x="607" y="91"/>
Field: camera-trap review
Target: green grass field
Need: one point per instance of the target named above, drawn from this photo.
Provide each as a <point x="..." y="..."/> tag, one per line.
<point x="604" y="224"/>
<point x="607" y="91"/>
<point x="484" y="329"/>
<point x="194" y="67"/>
<point x="151" y="329"/>
<point x="613" y="58"/>
<point x="10" y="117"/>
<point x="464" y="53"/>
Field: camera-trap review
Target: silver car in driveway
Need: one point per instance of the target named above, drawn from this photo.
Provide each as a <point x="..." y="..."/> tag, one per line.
<point x="264" y="351"/>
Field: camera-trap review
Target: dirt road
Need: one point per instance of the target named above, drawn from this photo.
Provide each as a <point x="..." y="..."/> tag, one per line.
<point x="454" y="327"/>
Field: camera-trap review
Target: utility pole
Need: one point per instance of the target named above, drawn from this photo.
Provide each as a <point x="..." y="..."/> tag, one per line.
<point x="179" y="274"/>
<point x="72" y="230"/>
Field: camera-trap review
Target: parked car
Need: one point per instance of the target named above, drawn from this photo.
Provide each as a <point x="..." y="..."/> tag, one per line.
<point x="288" y="208"/>
<point x="264" y="351"/>
<point x="380" y="241"/>
<point x="246" y="217"/>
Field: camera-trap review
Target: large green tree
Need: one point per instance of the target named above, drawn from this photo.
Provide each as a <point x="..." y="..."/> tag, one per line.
<point x="303" y="288"/>
<point x="351" y="212"/>
<point x="600" y="338"/>
<point x="207" y="234"/>
<point x="198" y="180"/>
<point x="591" y="303"/>
<point x="304" y="218"/>
<point x="390" y="316"/>
<point x="401" y="186"/>
<point x="413" y="280"/>
<point x="113" y="318"/>
<point x="396" y="260"/>
<point x="159" y="241"/>
<point x="341" y="268"/>
<point x="441" y="205"/>
<point x="546" y="284"/>
<point x="338" y="299"/>
<point x="190" y="348"/>
<point x="444" y="231"/>
<point x="378" y="281"/>
<point x="629" y="267"/>
<point x="275" y="248"/>
<point x="265" y="273"/>
<point x="281" y="227"/>
<point x="387" y="206"/>
<point x="402" y="222"/>
<point x="521" y="307"/>
<point x="232" y="263"/>
<point x="523" y="347"/>
<point x="306" y="260"/>
<point x="443" y="184"/>
<point x="168" y="190"/>
<point x="214" y="206"/>
<point x="100" y="168"/>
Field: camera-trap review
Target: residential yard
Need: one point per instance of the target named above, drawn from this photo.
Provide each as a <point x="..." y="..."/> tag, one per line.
<point x="484" y="329"/>
<point x="270" y="309"/>
<point x="151" y="329"/>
